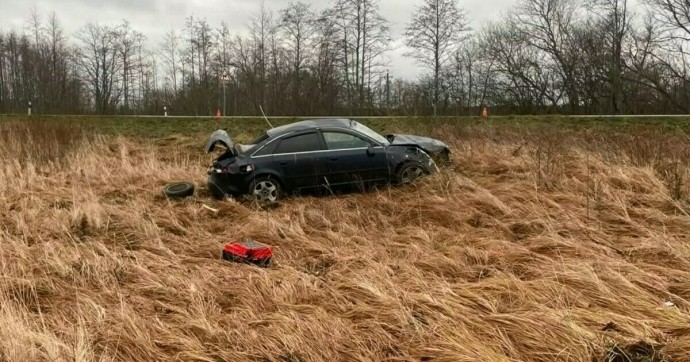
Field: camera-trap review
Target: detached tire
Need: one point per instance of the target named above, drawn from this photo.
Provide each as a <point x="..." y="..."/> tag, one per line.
<point x="179" y="189"/>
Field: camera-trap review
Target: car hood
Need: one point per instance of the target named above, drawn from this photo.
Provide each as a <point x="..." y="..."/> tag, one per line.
<point x="222" y="137"/>
<point x="427" y="144"/>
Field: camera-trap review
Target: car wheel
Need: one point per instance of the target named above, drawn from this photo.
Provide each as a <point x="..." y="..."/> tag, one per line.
<point x="266" y="189"/>
<point x="216" y="191"/>
<point x="410" y="172"/>
<point x="179" y="189"/>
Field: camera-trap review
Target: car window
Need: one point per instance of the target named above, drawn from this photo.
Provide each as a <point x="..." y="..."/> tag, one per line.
<point x="302" y="143"/>
<point x="340" y="141"/>
<point x="266" y="150"/>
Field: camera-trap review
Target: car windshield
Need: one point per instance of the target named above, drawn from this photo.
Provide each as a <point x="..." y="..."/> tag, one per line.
<point x="243" y="149"/>
<point x="259" y="139"/>
<point x="369" y="132"/>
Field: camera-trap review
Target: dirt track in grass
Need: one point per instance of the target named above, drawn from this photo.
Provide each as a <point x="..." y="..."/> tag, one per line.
<point x="534" y="245"/>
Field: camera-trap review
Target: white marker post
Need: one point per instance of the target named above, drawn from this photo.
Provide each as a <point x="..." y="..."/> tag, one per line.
<point x="29" y="111"/>
<point x="165" y="111"/>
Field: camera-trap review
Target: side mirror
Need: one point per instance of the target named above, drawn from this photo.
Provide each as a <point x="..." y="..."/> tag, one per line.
<point x="370" y="150"/>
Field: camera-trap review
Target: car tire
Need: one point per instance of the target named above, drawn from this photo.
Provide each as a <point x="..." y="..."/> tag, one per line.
<point x="215" y="188"/>
<point x="410" y="172"/>
<point x="266" y="189"/>
<point x="179" y="189"/>
<point x="216" y="192"/>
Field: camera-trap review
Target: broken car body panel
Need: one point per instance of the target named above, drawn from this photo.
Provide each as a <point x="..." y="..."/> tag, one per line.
<point x="219" y="136"/>
<point x="430" y="145"/>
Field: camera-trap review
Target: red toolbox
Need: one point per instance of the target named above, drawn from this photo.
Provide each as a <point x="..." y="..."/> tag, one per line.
<point x="248" y="251"/>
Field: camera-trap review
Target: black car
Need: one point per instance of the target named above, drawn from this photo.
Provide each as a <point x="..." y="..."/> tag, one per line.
<point x="318" y="154"/>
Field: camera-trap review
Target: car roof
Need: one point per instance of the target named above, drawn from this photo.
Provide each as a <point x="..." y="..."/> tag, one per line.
<point x="309" y="124"/>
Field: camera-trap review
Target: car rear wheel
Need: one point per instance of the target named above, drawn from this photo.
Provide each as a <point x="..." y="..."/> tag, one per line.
<point x="410" y="172"/>
<point x="266" y="189"/>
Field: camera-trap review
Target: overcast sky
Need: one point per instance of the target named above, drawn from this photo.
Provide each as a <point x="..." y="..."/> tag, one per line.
<point x="155" y="17"/>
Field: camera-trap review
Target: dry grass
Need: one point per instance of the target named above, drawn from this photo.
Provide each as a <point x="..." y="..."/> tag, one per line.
<point x="40" y="142"/>
<point x="526" y="249"/>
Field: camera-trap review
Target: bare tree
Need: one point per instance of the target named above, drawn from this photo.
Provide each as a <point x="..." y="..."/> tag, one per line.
<point x="204" y="41"/>
<point x="673" y="16"/>
<point x="170" y="49"/>
<point x="615" y="26"/>
<point x="35" y="25"/>
<point x="465" y="81"/>
<point x="196" y="66"/>
<point x="364" y="35"/>
<point x="434" y="36"/>
<point x="298" y="23"/>
<point x="326" y="84"/>
<point x="521" y="81"/>
<point x="547" y="56"/>
<point x="659" y="64"/>
<point x="671" y="22"/>
<point x="58" y="54"/>
<point x="548" y="25"/>
<point x="222" y="61"/>
<point x="260" y="28"/>
<point x="595" y="73"/>
<point x="278" y="70"/>
<point x="98" y="60"/>
<point x="129" y="46"/>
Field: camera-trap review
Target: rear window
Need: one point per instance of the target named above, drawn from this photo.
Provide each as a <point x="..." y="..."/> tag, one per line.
<point x="302" y="143"/>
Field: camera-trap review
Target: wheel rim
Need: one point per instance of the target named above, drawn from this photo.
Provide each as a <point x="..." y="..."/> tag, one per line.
<point x="412" y="173"/>
<point x="266" y="191"/>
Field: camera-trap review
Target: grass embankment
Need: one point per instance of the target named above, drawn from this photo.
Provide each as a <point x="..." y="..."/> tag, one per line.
<point x="157" y="128"/>
<point x="538" y="244"/>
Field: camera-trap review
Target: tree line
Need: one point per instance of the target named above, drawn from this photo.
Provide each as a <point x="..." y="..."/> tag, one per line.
<point x="545" y="56"/>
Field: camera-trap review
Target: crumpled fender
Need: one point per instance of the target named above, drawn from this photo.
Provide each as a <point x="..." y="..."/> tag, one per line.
<point x="222" y="137"/>
<point x="430" y="145"/>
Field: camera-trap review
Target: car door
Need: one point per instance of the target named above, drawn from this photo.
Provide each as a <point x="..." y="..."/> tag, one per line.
<point x="353" y="158"/>
<point x="300" y="159"/>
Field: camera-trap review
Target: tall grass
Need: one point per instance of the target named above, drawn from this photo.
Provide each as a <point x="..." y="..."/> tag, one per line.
<point x="534" y="245"/>
<point x="39" y="142"/>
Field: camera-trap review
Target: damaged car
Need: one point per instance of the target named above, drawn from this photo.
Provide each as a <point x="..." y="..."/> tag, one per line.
<point x="320" y="154"/>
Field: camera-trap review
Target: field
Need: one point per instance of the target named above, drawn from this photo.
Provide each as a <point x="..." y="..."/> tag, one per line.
<point x="545" y="240"/>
